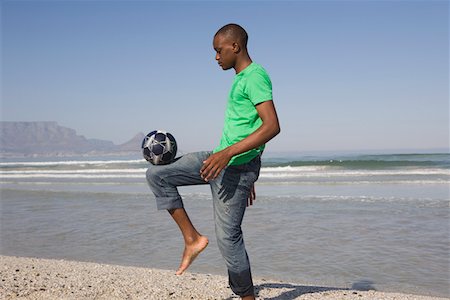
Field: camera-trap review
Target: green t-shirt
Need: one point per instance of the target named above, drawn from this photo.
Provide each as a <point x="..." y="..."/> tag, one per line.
<point x="251" y="86"/>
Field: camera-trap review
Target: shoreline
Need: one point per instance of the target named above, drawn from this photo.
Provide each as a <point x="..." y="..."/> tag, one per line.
<point x="37" y="278"/>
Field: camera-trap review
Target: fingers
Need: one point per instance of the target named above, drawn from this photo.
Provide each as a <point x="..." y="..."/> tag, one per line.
<point x="210" y="170"/>
<point x="213" y="165"/>
<point x="210" y="174"/>
<point x="206" y="169"/>
<point x="251" y="196"/>
<point x="250" y="200"/>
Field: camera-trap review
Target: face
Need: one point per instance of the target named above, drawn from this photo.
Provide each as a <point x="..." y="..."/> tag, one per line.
<point x="225" y="51"/>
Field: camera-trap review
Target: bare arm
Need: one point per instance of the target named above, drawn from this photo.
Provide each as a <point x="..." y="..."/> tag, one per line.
<point x="270" y="128"/>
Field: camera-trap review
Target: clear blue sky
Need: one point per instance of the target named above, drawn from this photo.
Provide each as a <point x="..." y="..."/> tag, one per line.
<point x="347" y="75"/>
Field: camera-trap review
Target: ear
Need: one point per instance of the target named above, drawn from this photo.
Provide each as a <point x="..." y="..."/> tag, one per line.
<point x="236" y="48"/>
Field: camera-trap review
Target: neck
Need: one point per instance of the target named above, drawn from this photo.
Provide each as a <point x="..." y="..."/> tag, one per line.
<point x="242" y="64"/>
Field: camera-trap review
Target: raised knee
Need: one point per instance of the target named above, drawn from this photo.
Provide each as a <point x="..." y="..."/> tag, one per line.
<point x="152" y="174"/>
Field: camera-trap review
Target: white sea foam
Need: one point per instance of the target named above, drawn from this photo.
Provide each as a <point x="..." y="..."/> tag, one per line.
<point x="99" y="171"/>
<point x="91" y="176"/>
<point x="292" y="172"/>
<point x="288" y="172"/>
<point x="290" y="169"/>
<point x="69" y="162"/>
<point x="126" y="169"/>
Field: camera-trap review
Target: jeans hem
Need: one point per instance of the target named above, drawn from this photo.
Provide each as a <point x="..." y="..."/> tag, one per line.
<point x="168" y="203"/>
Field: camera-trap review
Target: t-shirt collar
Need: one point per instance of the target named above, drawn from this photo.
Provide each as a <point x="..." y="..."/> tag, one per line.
<point x="246" y="69"/>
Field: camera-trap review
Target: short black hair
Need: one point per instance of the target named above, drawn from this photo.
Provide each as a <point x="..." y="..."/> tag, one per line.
<point x="234" y="31"/>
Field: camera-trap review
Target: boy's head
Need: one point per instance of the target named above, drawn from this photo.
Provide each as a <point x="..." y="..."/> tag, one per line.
<point x="230" y="43"/>
<point x="235" y="33"/>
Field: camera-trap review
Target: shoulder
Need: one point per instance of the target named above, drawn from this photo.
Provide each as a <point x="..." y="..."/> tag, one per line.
<point x="257" y="75"/>
<point x="257" y="85"/>
<point x="257" y="70"/>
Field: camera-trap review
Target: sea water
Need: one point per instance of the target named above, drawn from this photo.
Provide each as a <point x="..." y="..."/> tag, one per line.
<point x="357" y="221"/>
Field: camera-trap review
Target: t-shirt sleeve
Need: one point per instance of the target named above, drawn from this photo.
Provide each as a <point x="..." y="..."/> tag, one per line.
<point x="259" y="87"/>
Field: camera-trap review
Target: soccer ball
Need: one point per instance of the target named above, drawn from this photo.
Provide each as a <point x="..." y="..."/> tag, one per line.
<point x="159" y="147"/>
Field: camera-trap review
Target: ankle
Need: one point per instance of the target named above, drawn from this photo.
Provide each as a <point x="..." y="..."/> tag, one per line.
<point x="192" y="239"/>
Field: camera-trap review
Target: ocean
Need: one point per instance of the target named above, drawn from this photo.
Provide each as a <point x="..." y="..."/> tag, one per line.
<point x="362" y="221"/>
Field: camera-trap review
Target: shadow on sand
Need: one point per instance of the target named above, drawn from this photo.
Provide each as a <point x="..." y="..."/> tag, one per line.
<point x="291" y="291"/>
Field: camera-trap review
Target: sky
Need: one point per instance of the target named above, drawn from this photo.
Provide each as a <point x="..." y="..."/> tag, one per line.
<point x="346" y="75"/>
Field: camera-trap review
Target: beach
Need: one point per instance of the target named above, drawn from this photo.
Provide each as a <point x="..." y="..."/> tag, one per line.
<point x="31" y="278"/>
<point x="360" y="222"/>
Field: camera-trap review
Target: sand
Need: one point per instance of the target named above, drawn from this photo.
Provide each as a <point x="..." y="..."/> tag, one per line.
<point x="35" y="278"/>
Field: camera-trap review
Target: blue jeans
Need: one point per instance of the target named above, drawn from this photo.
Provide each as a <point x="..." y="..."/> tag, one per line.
<point x="230" y="191"/>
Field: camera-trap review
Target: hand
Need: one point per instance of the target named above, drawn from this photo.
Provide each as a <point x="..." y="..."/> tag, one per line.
<point x="214" y="164"/>
<point x="251" y="196"/>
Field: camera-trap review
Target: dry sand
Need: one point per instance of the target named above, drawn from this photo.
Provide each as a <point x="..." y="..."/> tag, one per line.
<point x="32" y="278"/>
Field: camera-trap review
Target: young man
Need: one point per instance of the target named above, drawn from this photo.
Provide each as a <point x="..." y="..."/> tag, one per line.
<point x="231" y="169"/>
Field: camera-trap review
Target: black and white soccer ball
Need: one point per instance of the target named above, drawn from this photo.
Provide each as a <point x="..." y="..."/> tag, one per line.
<point x="159" y="147"/>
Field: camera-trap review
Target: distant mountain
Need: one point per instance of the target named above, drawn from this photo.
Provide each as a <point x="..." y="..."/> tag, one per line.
<point x="134" y="144"/>
<point x="49" y="139"/>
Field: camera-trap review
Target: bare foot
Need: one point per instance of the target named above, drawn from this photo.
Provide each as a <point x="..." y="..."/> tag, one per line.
<point x="191" y="252"/>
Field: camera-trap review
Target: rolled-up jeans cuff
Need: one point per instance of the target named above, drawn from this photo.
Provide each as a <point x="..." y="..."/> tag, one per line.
<point x="168" y="203"/>
<point x="241" y="283"/>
